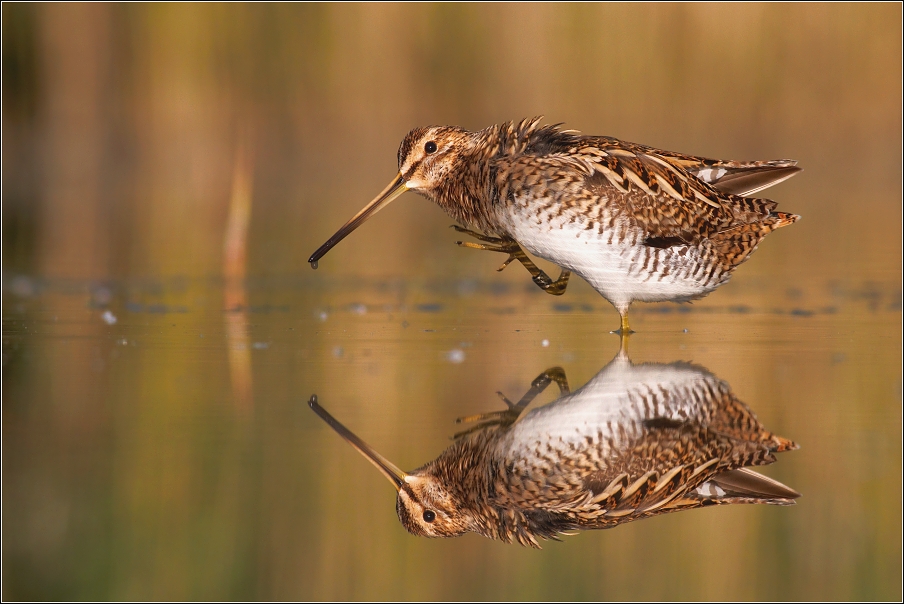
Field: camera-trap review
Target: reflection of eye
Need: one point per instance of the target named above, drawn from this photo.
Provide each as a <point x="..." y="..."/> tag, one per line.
<point x="428" y="515"/>
<point x="430" y="147"/>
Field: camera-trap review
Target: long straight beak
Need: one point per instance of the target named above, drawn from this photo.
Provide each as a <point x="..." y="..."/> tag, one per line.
<point x="387" y="468"/>
<point x="395" y="188"/>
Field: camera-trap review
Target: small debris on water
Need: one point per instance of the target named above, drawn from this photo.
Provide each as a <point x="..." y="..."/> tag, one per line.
<point x="359" y="309"/>
<point x="545" y="343"/>
<point x="685" y="330"/>
<point x="322" y="315"/>
<point x="467" y="287"/>
<point x="101" y="295"/>
<point x="261" y="345"/>
<point x="456" y="355"/>
<point x="338" y="352"/>
<point x="108" y="317"/>
<point x="430" y="307"/>
<point x="22" y="287"/>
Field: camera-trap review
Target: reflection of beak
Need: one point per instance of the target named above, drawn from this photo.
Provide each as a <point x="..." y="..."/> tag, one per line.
<point x="395" y="188"/>
<point x="388" y="469"/>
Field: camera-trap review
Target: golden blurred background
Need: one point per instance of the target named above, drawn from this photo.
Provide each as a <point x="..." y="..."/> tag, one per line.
<point x="121" y="122"/>
<point x="175" y="165"/>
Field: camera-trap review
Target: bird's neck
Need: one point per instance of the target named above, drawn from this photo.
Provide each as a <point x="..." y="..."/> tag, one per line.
<point x="465" y="470"/>
<point x="465" y="192"/>
<point x="471" y="470"/>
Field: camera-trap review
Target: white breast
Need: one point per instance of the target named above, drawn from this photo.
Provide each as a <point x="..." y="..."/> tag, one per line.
<point x="618" y="400"/>
<point x="614" y="262"/>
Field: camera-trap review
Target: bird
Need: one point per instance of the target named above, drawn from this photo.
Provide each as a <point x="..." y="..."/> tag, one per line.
<point x="634" y="442"/>
<point x="635" y="222"/>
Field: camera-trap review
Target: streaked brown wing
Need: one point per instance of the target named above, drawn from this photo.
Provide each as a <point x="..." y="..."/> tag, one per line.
<point x="670" y="203"/>
<point x="734" y="177"/>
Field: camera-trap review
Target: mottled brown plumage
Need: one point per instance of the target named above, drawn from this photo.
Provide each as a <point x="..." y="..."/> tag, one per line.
<point x="634" y="442"/>
<point x="637" y="223"/>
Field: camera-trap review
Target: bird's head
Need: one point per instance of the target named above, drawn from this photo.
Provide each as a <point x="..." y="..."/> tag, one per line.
<point x="426" y="157"/>
<point x="425" y="507"/>
<point x="428" y="509"/>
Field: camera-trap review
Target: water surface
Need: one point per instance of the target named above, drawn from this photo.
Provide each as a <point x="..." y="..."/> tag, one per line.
<point x="159" y="442"/>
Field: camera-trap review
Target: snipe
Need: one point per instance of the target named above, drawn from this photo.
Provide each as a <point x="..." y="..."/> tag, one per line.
<point x="636" y="441"/>
<point x="637" y="223"/>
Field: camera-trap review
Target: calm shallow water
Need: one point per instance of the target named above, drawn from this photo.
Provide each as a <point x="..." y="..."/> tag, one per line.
<point x="156" y="437"/>
<point x="157" y="441"/>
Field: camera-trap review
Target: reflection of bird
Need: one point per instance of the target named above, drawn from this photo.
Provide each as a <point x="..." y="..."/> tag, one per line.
<point x="634" y="442"/>
<point x="637" y="223"/>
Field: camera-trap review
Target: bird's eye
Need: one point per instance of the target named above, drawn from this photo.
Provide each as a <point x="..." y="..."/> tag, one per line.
<point x="428" y="515"/>
<point x="430" y="147"/>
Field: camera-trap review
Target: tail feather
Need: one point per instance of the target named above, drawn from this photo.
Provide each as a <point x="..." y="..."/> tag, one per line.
<point x="735" y="244"/>
<point x="741" y="178"/>
<point x="781" y="219"/>
<point x="744" y="482"/>
<point x="747" y="179"/>
<point x="734" y="486"/>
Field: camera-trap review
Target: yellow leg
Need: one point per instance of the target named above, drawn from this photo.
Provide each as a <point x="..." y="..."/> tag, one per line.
<point x="511" y="247"/>
<point x="623" y="339"/>
<point x="625" y="330"/>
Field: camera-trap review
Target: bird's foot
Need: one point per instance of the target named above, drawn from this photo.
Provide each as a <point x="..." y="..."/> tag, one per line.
<point x="480" y="236"/>
<point x="493" y="244"/>
<point x="513" y="249"/>
<point x="555" y="288"/>
<point x="624" y="337"/>
<point x="624" y="331"/>
<point x="491" y="418"/>
<point x="513" y="411"/>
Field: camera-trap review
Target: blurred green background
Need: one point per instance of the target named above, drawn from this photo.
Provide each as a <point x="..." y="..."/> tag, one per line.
<point x="165" y="451"/>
